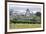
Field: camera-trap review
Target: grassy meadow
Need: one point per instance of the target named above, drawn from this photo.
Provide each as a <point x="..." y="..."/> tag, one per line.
<point x="21" y="26"/>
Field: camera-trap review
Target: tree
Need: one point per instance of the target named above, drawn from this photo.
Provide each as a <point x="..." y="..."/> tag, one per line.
<point x="11" y="11"/>
<point x="39" y="17"/>
<point x="38" y="14"/>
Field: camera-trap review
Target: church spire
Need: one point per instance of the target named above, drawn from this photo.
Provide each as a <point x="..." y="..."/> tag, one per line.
<point x="27" y="12"/>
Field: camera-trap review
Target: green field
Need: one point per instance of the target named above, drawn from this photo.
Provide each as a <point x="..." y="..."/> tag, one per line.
<point x="20" y="26"/>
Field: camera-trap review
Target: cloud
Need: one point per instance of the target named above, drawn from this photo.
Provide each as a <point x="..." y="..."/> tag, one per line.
<point x="22" y="8"/>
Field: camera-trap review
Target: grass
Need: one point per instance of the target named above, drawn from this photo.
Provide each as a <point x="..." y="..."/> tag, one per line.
<point x="20" y="26"/>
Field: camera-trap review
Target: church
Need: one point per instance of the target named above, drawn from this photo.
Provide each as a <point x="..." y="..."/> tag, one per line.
<point x="27" y="12"/>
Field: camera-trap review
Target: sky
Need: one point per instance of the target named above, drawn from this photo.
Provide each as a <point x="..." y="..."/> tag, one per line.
<point x="22" y="8"/>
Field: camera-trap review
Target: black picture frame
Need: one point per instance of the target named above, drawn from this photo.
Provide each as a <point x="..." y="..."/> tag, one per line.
<point x="22" y="2"/>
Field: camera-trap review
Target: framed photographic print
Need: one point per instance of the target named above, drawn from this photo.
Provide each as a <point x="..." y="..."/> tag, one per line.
<point x="22" y="16"/>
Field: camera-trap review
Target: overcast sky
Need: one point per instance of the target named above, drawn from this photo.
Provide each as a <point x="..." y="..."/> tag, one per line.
<point x="22" y="8"/>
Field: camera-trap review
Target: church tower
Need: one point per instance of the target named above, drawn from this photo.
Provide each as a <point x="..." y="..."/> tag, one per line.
<point x="27" y="12"/>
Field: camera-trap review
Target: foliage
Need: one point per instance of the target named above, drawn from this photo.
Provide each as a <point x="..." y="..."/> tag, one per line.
<point x="38" y="14"/>
<point x="28" y="22"/>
